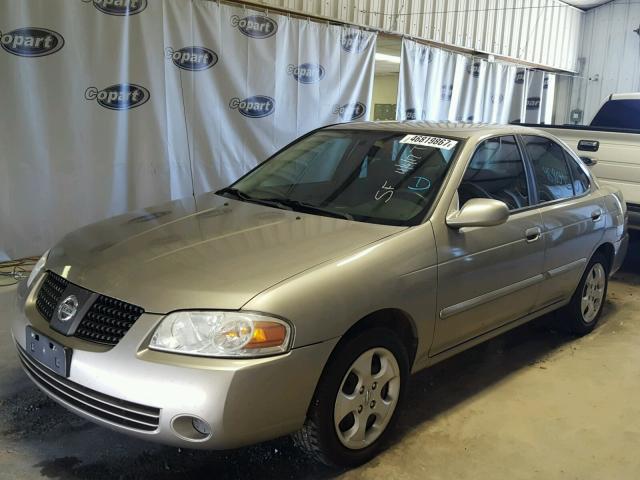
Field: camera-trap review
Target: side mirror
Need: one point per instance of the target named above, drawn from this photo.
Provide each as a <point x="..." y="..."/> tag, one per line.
<point x="479" y="212"/>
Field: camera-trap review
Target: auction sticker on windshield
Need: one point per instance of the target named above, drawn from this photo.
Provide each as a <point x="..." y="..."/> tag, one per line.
<point x="427" y="141"/>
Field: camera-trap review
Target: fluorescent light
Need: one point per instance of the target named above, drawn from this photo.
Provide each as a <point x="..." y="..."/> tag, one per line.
<point x="382" y="57"/>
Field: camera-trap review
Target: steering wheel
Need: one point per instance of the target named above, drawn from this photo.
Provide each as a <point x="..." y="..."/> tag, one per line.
<point x="474" y="191"/>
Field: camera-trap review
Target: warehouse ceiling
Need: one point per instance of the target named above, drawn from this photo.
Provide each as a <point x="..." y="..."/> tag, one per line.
<point x="586" y="4"/>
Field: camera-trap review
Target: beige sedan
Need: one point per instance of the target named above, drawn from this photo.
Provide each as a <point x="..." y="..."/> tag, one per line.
<point x="298" y="300"/>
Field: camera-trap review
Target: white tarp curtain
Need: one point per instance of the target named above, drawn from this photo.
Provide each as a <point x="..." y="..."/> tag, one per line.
<point x="440" y="85"/>
<point x="109" y="106"/>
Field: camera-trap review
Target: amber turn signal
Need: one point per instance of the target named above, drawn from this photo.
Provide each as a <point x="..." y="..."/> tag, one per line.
<point x="267" y="334"/>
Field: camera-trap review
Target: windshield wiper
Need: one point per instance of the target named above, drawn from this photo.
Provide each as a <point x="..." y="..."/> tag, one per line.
<point x="283" y="203"/>
<point x="239" y="194"/>
<point x="234" y="192"/>
<point x="307" y="207"/>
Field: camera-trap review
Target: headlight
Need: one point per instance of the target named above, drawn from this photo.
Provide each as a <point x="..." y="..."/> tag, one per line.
<point x="37" y="268"/>
<point x="221" y="334"/>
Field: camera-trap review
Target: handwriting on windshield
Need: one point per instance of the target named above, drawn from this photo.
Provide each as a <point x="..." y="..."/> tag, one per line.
<point x="385" y="192"/>
<point x="408" y="163"/>
<point x="420" y="184"/>
<point x="404" y="165"/>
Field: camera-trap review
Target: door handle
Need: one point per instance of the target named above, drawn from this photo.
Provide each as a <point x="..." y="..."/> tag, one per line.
<point x="588" y="145"/>
<point x="588" y="161"/>
<point x="532" y="234"/>
<point x="596" y="214"/>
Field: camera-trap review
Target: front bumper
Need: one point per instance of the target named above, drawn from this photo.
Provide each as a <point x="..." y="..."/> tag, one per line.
<point x="154" y="395"/>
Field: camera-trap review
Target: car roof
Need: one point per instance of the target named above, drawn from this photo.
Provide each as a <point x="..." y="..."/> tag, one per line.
<point x="623" y="96"/>
<point x="461" y="130"/>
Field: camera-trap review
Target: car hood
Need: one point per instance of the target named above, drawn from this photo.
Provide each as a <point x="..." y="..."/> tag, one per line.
<point x="209" y="253"/>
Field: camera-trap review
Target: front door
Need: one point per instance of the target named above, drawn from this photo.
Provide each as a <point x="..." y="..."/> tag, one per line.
<point x="489" y="276"/>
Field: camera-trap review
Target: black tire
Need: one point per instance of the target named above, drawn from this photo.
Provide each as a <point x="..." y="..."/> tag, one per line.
<point x="572" y="316"/>
<point x="319" y="438"/>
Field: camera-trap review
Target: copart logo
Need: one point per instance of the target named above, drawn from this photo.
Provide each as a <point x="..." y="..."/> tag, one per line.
<point x="120" y="8"/>
<point x="446" y="92"/>
<point x="255" y="26"/>
<point x="193" y="59"/>
<point x="412" y="114"/>
<point x="350" y="111"/>
<point x="354" y="42"/>
<point x="425" y="55"/>
<point x="473" y="69"/>
<point x="306" y="72"/>
<point x="499" y="98"/>
<point x="533" y="103"/>
<point x="122" y="96"/>
<point x="257" y="106"/>
<point x="31" y="42"/>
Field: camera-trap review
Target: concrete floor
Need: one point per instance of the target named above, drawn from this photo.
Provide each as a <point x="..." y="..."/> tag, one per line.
<point x="533" y="403"/>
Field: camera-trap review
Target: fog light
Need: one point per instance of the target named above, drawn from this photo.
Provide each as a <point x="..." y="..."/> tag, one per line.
<point x="191" y="428"/>
<point x="201" y="426"/>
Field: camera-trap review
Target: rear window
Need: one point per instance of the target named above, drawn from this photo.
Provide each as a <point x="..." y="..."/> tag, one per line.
<point x="618" y="114"/>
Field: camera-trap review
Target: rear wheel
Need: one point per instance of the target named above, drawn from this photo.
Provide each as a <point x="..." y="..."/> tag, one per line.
<point x="356" y="400"/>
<point x="585" y="308"/>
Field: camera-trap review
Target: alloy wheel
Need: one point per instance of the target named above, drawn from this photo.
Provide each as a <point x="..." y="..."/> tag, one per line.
<point x="367" y="398"/>
<point x="593" y="292"/>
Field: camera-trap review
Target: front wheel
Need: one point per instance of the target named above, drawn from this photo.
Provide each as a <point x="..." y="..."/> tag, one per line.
<point x="586" y="305"/>
<point x="356" y="400"/>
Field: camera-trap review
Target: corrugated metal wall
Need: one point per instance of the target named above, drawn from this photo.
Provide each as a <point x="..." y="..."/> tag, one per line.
<point x="543" y="32"/>
<point x="611" y="52"/>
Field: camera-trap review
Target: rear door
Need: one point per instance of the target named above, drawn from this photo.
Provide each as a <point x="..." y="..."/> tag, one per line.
<point x="573" y="217"/>
<point x="489" y="276"/>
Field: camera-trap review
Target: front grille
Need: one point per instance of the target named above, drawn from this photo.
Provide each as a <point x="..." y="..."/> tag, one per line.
<point x="106" y="322"/>
<point x="50" y="294"/>
<point x="110" y="409"/>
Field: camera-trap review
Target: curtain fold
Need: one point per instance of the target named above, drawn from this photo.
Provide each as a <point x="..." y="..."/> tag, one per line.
<point x="114" y="106"/>
<point x="439" y="85"/>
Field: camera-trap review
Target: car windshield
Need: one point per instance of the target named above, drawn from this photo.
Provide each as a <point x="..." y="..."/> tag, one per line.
<point x="370" y="176"/>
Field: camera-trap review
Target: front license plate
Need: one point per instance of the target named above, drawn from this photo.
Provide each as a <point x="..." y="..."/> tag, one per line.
<point x="47" y="352"/>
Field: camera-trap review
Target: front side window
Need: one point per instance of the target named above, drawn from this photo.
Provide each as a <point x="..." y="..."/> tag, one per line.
<point x="496" y="171"/>
<point x="370" y="176"/>
<point x="553" y="179"/>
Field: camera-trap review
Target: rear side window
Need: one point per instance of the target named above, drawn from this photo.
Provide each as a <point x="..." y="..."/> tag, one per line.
<point x="553" y="179"/>
<point x="581" y="183"/>
<point x="496" y="171"/>
<point x="618" y="114"/>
